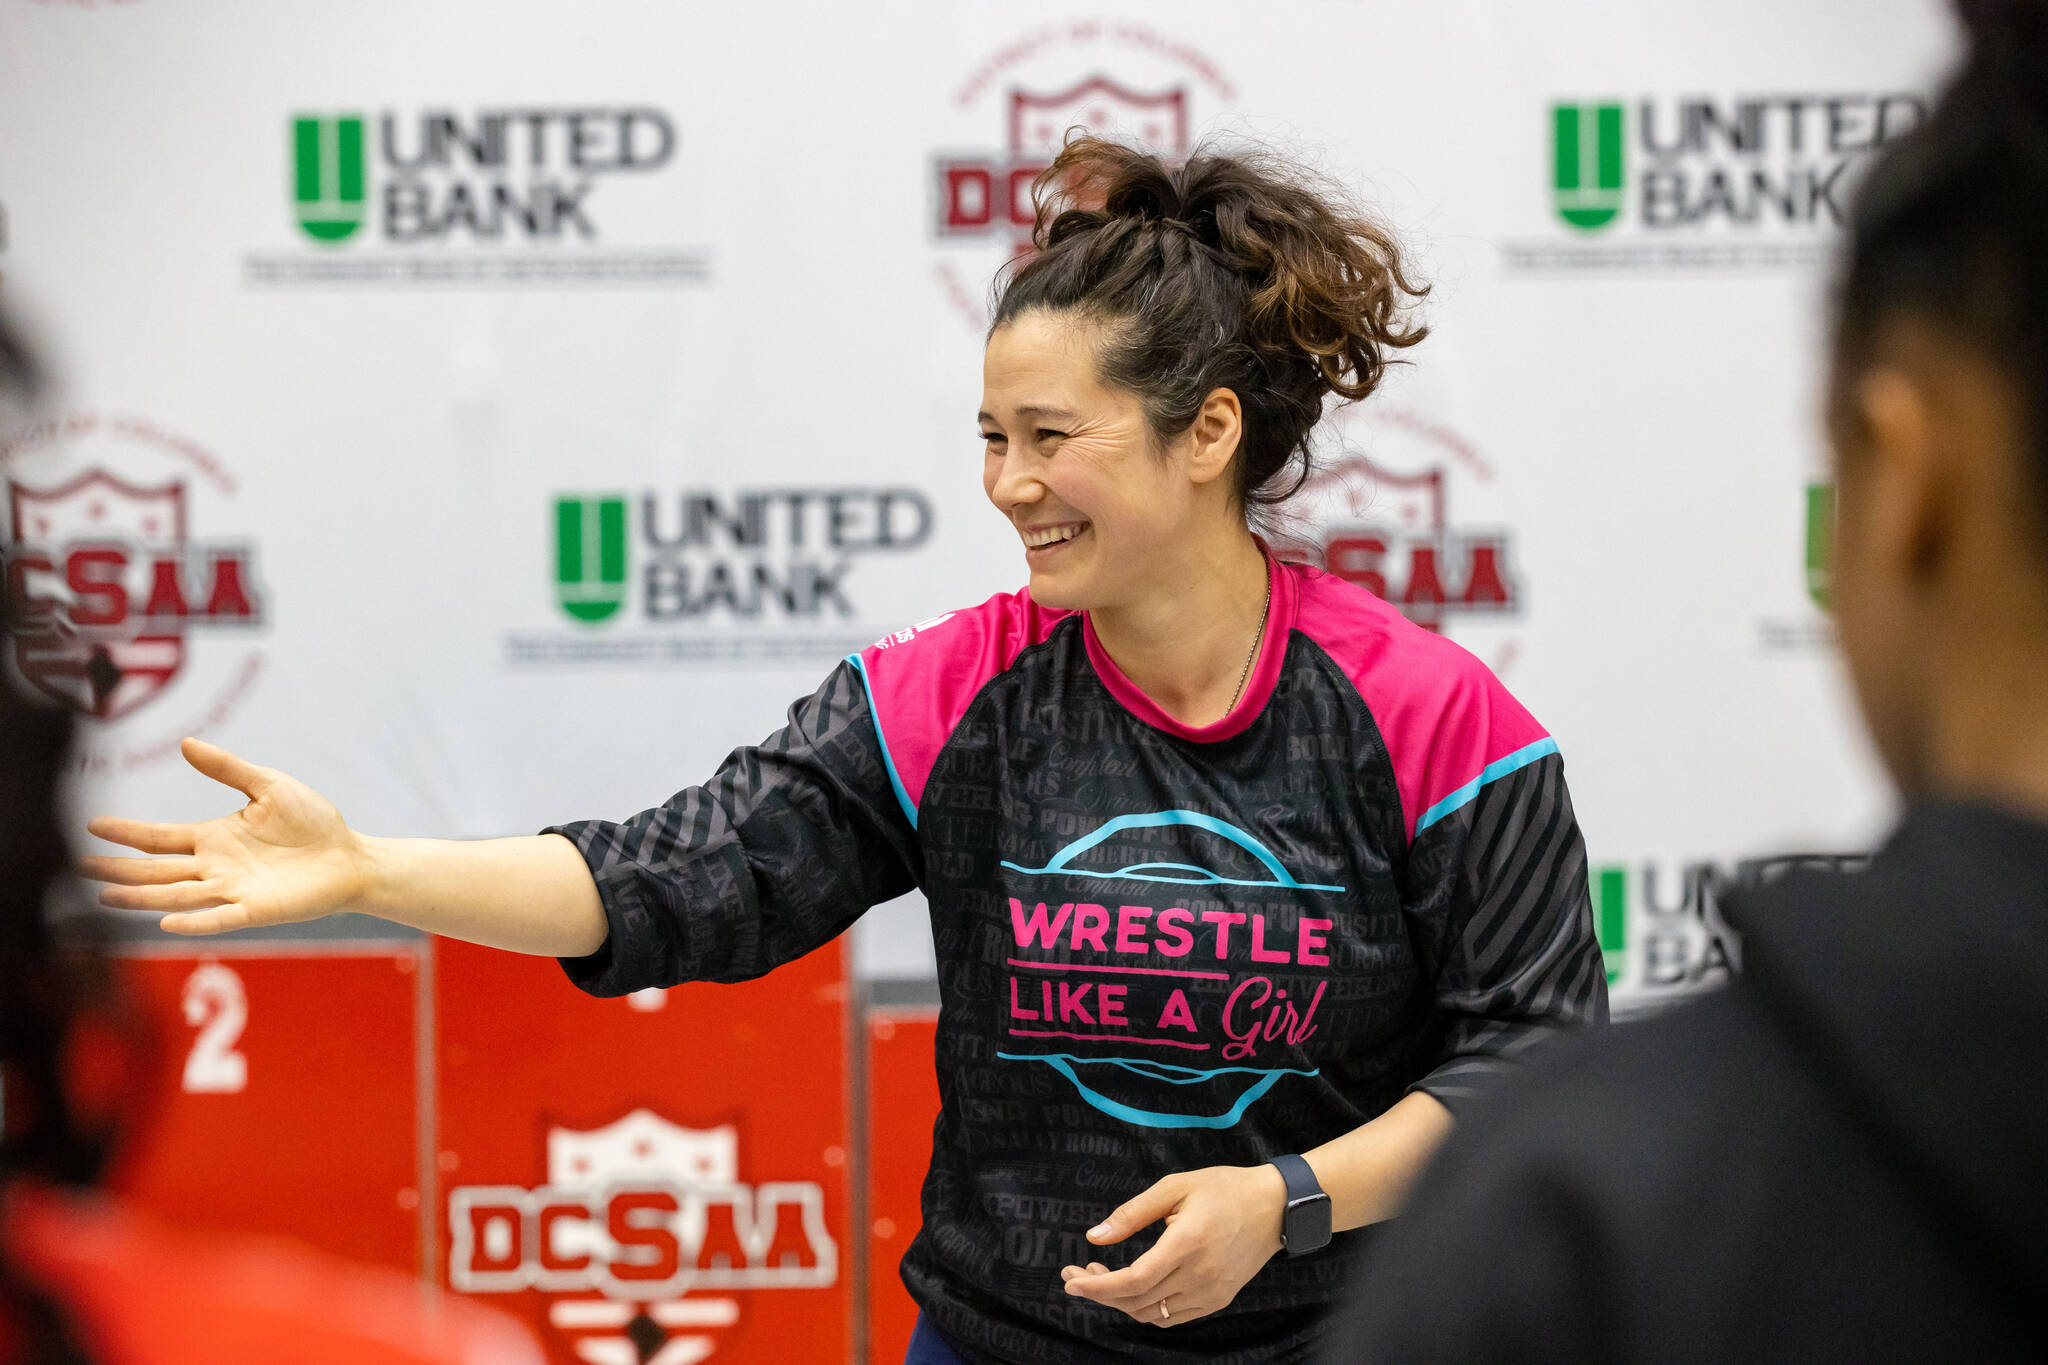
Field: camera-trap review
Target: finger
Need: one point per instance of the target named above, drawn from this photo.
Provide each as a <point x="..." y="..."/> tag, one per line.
<point x="224" y="767"/>
<point x="1180" y="1308"/>
<point x="1141" y="1277"/>
<point x="1179" y="1292"/>
<point x="163" y="899"/>
<point x="216" y="921"/>
<point x="1092" y="1268"/>
<point x="142" y="834"/>
<point x="138" y="871"/>
<point x="1180" y="1279"/>
<point x="1143" y="1211"/>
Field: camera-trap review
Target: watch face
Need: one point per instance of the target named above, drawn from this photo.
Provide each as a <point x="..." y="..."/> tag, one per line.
<point x="1306" y="1226"/>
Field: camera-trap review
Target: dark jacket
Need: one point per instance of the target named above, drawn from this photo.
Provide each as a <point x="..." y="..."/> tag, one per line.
<point x="1844" y="1156"/>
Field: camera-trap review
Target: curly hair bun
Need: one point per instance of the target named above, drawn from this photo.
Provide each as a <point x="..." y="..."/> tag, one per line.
<point x="1228" y="270"/>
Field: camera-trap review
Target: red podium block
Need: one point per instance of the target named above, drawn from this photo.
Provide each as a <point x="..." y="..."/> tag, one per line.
<point x="283" y="1095"/>
<point x="662" y="1174"/>
<point x="903" y="1103"/>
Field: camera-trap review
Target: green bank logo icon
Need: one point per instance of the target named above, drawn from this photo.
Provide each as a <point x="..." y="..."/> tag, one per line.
<point x="1820" y="542"/>
<point x="1610" y="917"/>
<point x="327" y="176"/>
<point x="1586" y="162"/>
<point x="590" y="557"/>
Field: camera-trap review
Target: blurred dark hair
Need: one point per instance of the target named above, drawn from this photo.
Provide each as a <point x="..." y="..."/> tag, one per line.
<point x="40" y="987"/>
<point x="1952" y="220"/>
<point x="1232" y="271"/>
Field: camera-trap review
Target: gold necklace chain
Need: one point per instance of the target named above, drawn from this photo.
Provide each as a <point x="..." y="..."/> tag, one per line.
<point x="1257" y="640"/>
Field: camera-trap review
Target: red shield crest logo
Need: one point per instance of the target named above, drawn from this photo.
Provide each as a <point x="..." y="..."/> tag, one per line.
<point x="1039" y="123"/>
<point x="102" y="625"/>
<point x="1392" y="534"/>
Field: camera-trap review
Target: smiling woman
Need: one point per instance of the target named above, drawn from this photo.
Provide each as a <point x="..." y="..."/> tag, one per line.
<point x="1237" y="878"/>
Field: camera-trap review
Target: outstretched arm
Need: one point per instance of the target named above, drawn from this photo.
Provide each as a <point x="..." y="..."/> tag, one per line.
<point x="288" y="856"/>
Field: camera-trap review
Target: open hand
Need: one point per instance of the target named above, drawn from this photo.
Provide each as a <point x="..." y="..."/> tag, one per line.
<point x="287" y="856"/>
<point x="1222" y="1225"/>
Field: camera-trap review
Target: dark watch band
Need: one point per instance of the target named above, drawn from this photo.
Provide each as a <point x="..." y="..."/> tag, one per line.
<point x="1305" y="1226"/>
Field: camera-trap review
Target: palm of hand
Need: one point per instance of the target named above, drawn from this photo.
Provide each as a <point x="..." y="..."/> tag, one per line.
<point x="286" y="856"/>
<point x="280" y="858"/>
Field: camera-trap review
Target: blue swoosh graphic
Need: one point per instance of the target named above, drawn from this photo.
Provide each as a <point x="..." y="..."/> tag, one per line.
<point x="1196" y="876"/>
<point x="1064" y="1063"/>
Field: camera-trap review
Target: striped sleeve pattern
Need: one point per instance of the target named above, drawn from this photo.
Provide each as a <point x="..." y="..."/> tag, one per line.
<point x="1500" y="890"/>
<point x="787" y="844"/>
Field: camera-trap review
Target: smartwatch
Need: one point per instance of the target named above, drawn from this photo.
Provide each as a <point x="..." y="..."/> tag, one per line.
<point x="1305" y="1226"/>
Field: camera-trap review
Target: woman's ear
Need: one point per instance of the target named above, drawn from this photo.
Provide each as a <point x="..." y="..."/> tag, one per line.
<point x="1217" y="433"/>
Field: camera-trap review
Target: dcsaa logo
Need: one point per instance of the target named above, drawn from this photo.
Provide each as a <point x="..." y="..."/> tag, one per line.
<point x="636" y="1220"/>
<point x="1380" y="521"/>
<point x="1110" y="78"/>
<point x="108" y="581"/>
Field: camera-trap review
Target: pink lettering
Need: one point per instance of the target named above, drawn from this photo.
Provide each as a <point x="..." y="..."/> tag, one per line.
<point x="1074" y="1003"/>
<point x="1177" y="1013"/>
<point x="1017" y="1010"/>
<point x="1244" y="1041"/>
<point x="1299" y="1034"/>
<point x="1223" y="919"/>
<point x="1246" y="1025"/>
<point x="1091" y="922"/>
<point x="1130" y="922"/>
<point x="1183" y="942"/>
<point x="1313" y="949"/>
<point x="1035" y="931"/>
<point x="1260" y="953"/>
<point x="1109" y="1003"/>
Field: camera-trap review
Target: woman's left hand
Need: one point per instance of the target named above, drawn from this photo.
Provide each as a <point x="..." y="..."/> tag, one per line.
<point x="1222" y="1225"/>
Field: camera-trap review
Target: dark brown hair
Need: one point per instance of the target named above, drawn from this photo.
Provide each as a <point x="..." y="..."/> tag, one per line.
<point x="1227" y="271"/>
<point x="1949" y="223"/>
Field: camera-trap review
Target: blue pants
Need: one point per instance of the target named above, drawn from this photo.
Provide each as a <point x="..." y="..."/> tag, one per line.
<point x="927" y="1349"/>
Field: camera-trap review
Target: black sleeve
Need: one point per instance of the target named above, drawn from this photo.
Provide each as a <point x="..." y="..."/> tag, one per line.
<point x="788" y="843"/>
<point x="1505" y="923"/>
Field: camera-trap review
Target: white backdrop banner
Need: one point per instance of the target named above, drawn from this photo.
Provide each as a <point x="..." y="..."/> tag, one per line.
<point x="493" y="414"/>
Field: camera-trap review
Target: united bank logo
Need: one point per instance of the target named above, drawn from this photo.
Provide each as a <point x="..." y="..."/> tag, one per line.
<point x="640" y="1238"/>
<point x="1737" y="180"/>
<point x="510" y="195"/>
<point x="712" y="555"/>
<point x="1660" y="924"/>
<point x="720" y="573"/>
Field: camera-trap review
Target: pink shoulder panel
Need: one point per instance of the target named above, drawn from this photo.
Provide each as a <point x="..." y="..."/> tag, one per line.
<point x="921" y="680"/>
<point x="1449" y="726"/>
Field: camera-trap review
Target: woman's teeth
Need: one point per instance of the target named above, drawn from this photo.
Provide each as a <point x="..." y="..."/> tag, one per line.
<point x="1052" y="535"/>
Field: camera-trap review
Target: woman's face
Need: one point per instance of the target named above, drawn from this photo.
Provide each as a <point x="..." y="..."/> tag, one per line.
<point x="1073" y="467"/>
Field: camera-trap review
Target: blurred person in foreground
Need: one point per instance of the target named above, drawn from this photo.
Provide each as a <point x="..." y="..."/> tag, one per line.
<point x="1843" y="1156"/>
<point x="83" y="1279"/>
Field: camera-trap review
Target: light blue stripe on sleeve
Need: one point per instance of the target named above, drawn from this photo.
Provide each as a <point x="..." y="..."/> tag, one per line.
<point x="1499" y="768"/>
<point x="902" y="797"/>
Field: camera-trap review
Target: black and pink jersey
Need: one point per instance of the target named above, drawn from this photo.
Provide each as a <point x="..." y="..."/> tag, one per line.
<point x="1160" y="947"/>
